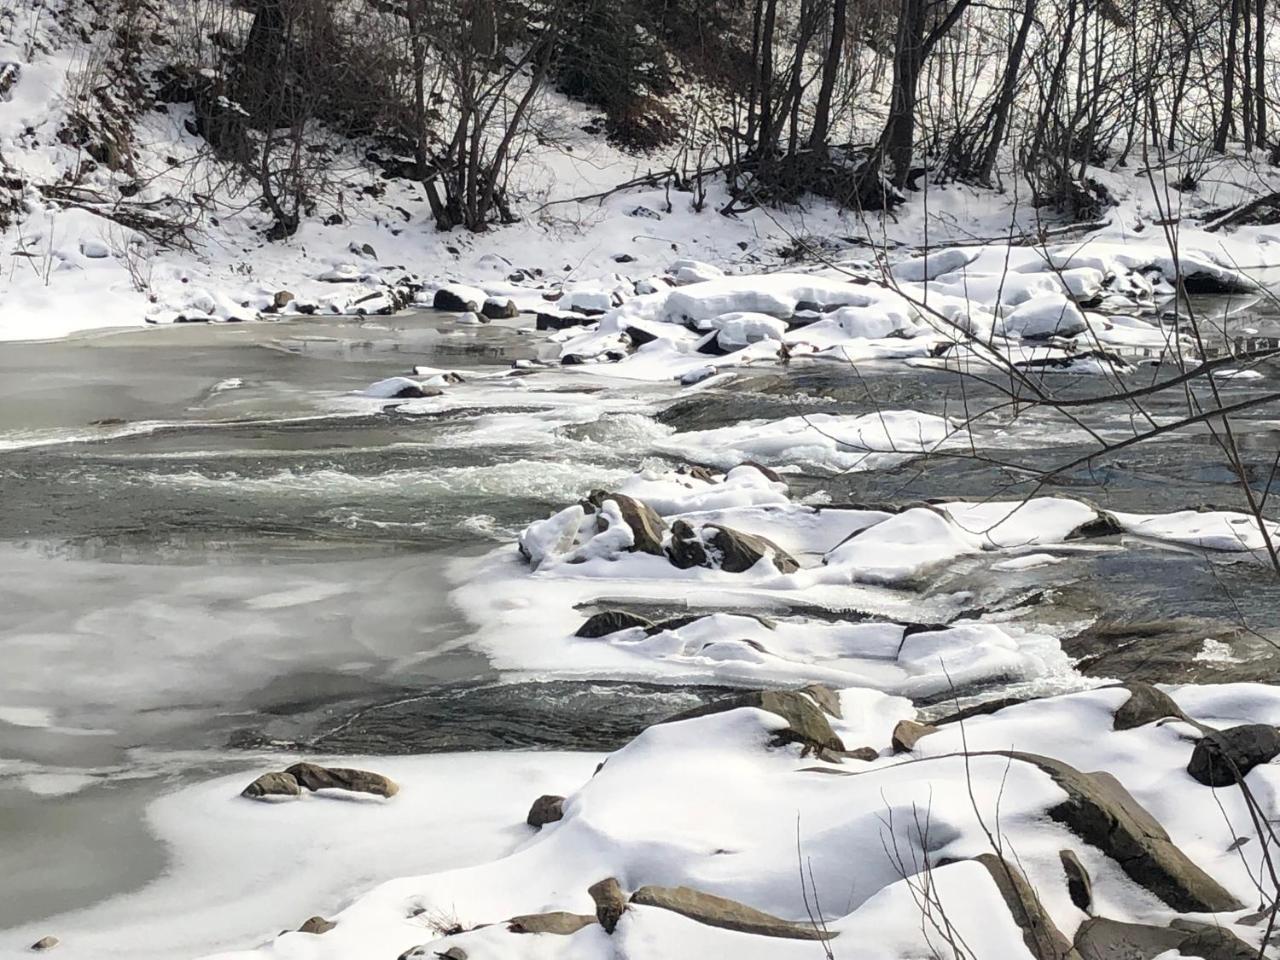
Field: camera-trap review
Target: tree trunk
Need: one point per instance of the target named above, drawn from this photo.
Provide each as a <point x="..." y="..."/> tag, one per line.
<point x="830" y="70"/>
<point x="1228" y="82"/>
<point x="1008" y="88"/>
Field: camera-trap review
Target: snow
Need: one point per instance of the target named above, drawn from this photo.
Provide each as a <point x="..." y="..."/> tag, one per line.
<point x="822" y="441"/>
<point x="708" y="803"/>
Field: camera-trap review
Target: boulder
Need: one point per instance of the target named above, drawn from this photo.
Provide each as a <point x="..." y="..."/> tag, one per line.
<point x="45" y="943"/>
<point x="646" y="525"/>
<point x="1146" y="704"/>
<point x="1222" y="756"/>
<point x="769" y="473"/>
<point x="1079" y="883"/>
<point x="609" y="901"/>
<point x="727" y="914"/>
<point x="282" y="299"/>
<point x="907" y="732"/>
<point x="497" y="309"/>
<point x="1210" y="941"/>
<point x="1042" y="937"/>
<point x="824" y="697"/>
<point x="315" y="777"/>
<point x="739" y="551"/>
<point x="639" y="337"/>
<point x="458" y="299"/>
<point x="610" y="621"/>
<point x="273" y="786"/>
<point x="1101" y="812"/>
<point x="686" y="548"/>
<point x="1103" y="939"/>
<point x="807" y="724"/>
<point x="558" y="922"/>
<point x="724" y="548"/>
<point x="548" y="808"/>
<point x="317" y="925"/>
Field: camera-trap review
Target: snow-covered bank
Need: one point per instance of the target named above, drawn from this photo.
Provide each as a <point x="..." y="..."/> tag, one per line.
<point x="239" y="871"/>
<point x="370" y="244"/>
<point x="909" y="839"/>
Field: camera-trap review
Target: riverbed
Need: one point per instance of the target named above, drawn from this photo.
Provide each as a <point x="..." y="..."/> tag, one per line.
<point x="215" y="551"/>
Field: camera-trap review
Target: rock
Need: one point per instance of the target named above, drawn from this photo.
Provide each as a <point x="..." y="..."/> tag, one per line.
<point x="639" y="337"/>
<point x="497" y="309"/>
<point x="697" y="375"/>
<point x="907" y="733"/>
<point x="315" y="777"/>
<point x="282" y="299"/>
<point x="1079" y="884"/>
<point x="94" y="249"/>
<point x="1103" y="939"/>
<point x="458" y="299"/>
<point x="1103" y="525"/>
<point x="1222" y="756"/>
<point x="416" y="391"/>
<point x="739" y="551"/>
<point x="1101" y="812"/>
<point x="546" y="809"/>
<point x="273" y="786"/>
<point x="724" y="548"/>
<point x="610" y="903"/>
<point x="610" y="621"/>
<point x="824" y="697"/>
<point x="453" y="953"/>
<point x="1210" y="941"/>
<point x="769" y="474"/>
<point x="45" y="943"/>
<point x="561" y="321"/>
<point x="646" y="526"/>
<point x="558" y="922"/>
<point x="644" y="213"/>
<point x="807" y="724"/>
<point x="724" y="913"/>
<point x="317" y="925"/>
<point x="1042" y="937"/>
<point x="686" y="549"/>
<point x="1146" y="704"/>
<point x="984" y="709"/>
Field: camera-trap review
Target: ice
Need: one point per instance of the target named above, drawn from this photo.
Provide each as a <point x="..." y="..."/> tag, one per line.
<point x="820" y="440"/>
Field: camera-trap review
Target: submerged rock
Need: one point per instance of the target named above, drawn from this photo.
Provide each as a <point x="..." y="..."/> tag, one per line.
<point x="273" y="786"/>
<point x="727" y="914"/>
<point x="315" y="777"/>
<point x="1222" y="756"/>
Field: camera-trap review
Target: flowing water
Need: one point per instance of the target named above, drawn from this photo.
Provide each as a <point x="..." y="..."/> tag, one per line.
<point x="209" y="547"/>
